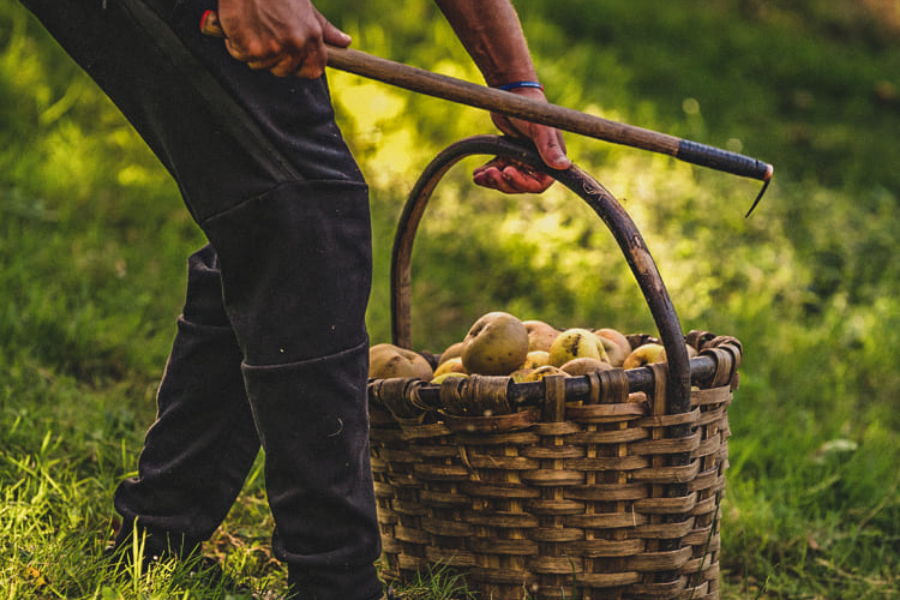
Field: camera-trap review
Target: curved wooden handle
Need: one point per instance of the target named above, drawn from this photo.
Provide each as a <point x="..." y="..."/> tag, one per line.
<point x="604" y="205"/>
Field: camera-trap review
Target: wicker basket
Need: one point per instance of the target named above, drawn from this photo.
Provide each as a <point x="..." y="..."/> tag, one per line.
<point x="604" y="486"/>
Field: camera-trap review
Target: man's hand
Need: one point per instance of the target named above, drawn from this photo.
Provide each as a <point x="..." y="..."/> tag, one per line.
<point x="286" y="37"/>
<point x="491" y="33"/>
<point x="513" y="177"/>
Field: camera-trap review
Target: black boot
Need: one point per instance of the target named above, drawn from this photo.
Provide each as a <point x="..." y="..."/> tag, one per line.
<point x="296" y="269"/>
<point x="203" y="443"/>
<point x="315" y="433"/>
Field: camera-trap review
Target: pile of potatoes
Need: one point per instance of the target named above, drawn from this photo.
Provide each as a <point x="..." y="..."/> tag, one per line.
<point x="498" y="343"/>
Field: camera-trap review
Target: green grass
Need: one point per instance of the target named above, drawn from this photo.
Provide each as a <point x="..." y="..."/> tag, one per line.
<point x="93" y="244"/>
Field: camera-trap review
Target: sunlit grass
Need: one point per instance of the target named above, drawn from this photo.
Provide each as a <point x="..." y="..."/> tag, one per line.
<point x="93" y="240"/>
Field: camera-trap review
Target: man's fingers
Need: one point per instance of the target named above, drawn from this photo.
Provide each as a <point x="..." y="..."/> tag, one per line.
<point x="511" y="177"/>
<point x="312" y="65"/>
<point x="285" y="68"/>
<point x="525" y="182"/>
<point x="280" y="68"/>
<point x="238" y="51"/>
<point x="308" y="61"/>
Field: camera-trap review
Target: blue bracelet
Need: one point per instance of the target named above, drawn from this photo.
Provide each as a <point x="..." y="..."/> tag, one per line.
<point x="520" y="84"/>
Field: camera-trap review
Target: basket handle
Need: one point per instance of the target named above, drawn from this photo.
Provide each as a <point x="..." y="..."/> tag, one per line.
<point x="597" y="197"/>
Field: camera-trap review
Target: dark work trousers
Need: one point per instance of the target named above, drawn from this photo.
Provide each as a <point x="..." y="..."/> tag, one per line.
<point x="271" y="347"/>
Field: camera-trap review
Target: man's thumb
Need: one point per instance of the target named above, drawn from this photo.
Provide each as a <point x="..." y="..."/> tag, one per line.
<point x="332" y="35"/>
<point x="553" y="151"/>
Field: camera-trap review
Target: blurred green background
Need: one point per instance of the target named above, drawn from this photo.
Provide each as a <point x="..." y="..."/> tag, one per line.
<point x="94" y="239"/>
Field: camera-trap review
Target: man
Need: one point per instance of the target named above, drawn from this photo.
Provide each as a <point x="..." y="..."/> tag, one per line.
<point x="271" y="346"/>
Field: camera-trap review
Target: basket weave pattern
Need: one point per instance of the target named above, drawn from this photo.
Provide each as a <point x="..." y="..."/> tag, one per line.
<point x="589" y="497"/>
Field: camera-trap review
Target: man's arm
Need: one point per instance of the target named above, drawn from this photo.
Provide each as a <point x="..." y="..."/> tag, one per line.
<point x="491" y="33"/>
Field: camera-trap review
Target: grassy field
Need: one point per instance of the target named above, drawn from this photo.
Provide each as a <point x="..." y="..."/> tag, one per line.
<point x="94" y="240"/>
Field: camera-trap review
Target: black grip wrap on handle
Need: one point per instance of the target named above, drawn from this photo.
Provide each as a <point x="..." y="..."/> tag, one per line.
<point x="723" y="160"/>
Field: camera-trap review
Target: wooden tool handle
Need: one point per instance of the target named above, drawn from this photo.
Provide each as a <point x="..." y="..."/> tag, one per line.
<point x="513" y="105"/>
